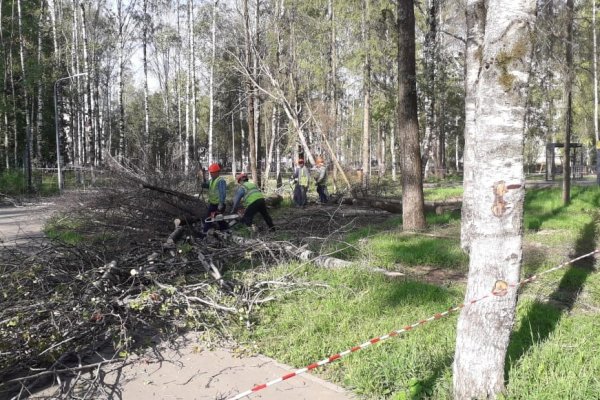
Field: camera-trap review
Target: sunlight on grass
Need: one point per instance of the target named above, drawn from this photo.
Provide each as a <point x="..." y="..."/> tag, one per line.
<point x="418" y="250"/>
<point x="553" y="351"/>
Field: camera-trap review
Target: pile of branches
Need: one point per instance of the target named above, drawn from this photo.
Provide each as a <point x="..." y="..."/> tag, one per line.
<point x="122" y="282"/>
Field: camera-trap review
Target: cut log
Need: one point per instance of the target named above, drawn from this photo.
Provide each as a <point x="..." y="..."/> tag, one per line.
<point x="395" y="205"/>
<point x="300" y="253"/>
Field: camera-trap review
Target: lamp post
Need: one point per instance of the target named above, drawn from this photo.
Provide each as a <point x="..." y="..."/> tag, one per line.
<point x="60" y="180"/>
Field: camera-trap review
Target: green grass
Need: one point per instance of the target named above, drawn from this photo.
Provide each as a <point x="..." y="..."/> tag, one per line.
<point x="14" y="183"/>
<point x="64" y="230"/>
<point x="442" y="193"/>
<point x="553" y="352"/>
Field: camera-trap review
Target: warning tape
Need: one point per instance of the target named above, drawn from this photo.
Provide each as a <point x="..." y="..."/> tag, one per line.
<point x="405" y="329"/>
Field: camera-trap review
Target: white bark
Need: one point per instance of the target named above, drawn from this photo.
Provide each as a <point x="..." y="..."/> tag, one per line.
<point x="366" y="139"/>
<point x="393" y="151"/>
<point x="595" y="66"/>
<point x="52" y="12"/>
<point x="146" y="138"/>
<point x="211" y="82"/>
<point x="25" y="96"/>
<point x="495" y="182"/>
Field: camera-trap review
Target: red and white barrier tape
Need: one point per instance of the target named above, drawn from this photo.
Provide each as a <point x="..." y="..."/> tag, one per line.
<point x="402" y="330"/>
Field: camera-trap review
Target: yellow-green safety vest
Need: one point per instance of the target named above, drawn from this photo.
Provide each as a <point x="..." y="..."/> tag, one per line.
<point x="303" y="176"/>
<point x="252" y="194"/>
<point x="213" y="190"/>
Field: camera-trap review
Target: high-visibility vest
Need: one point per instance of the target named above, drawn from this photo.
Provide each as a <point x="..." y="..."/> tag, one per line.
<point x="303" y="176"/>
<point x="213" y="190"/>
<point x="252" y="194"/>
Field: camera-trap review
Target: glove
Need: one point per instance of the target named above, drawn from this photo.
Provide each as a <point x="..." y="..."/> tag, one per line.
<point x="221" y="207"/>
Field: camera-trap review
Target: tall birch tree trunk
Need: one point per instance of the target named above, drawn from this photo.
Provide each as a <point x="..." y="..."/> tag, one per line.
<point x="91" y="132"/>
<point x="566" y="194"/>
<point x="250" y="95"/>
<point x="366" y="142"/>
<point x="595" y="89"/>
<point x="146" y="138"/>
<point x="28" y="127"/>
<point x="413" y="215"/>
<point x="4" y="101"/>
<point x="211" y="82"/>
<point x="40" y="99"/>
<point x="494" y="216"/>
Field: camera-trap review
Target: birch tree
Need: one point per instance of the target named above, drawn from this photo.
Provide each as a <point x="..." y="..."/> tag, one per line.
<point x="498" y="60"/>
<point x="366" y="139"/>
<point x="595" y="72"/>
<point x="211" y="81"/>
<point x="28" y="146"/>
<point x="566" y="194"/>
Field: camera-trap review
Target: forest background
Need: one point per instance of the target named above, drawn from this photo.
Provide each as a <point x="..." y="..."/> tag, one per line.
<point x="163" y="85"/>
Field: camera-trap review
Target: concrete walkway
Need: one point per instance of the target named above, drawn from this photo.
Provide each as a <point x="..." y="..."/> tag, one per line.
<point x="21" y="225"/>
<point x="185" y="371"/>
<point x="191" y="373"/>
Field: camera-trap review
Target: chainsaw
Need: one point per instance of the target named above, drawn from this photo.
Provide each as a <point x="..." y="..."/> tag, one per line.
<point x="221" y="217"/>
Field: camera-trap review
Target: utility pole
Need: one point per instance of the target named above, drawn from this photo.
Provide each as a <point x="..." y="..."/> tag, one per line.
<point x="60" y="180"/>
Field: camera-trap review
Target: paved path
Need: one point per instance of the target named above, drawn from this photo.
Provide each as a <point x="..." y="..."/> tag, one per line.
<point x="184" y="372"/>
<point x="21" y="225"/>
<point x="189" y="373"/>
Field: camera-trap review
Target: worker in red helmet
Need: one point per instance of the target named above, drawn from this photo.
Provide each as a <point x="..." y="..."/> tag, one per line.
<point x="301" y="178"/>
<point x="250" y="196"/>
<point x="217" y="190"/>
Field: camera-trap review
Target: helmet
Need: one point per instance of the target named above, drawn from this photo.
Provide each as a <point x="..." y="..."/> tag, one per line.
<point x="241" y="177"/>
<point x="319" y="161"/>
<point x="301" y="161"/>
<point x="214" y="168"/>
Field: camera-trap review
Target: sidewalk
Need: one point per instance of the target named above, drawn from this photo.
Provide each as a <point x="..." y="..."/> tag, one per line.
<point x="188" y="373"/>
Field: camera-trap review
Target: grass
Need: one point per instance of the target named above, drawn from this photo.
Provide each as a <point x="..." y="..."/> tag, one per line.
<point x="553" y="351"/>
<point x="14" y="183"/>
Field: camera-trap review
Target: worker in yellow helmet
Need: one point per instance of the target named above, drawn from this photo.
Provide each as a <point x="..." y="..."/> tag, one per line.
<point x="217" y="190"/>
<point x="252" y="199"/>
<point x="301" y="179"/>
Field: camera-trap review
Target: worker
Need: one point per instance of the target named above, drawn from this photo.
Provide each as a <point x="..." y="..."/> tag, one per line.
<point x="251" y="198"/>
<point x="301" y="179"/>
<point x="321" y="180"/>
<point x="217" y="190"/>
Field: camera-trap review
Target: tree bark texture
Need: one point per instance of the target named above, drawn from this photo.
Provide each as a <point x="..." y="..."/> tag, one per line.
<point x="494" y="216"/>
<point x="413" y="216"/>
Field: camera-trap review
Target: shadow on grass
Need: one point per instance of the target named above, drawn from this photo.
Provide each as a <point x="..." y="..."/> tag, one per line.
<point x="542" y="319"/>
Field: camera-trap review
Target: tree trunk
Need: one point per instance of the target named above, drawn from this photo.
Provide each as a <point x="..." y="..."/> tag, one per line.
<point x="28" y="127"/>
<point x="121" y="84"/>
<point x="566" y="194"/>
<point x="413" y="216"/>
<point x="90" y="132"/>
<point x="250" y="95"/>
<point x="496" y="184"/>
<point x="366" y="139"/>
<point x="475" y="15"/>
<point x="146" y="137"/>
<point x="40" y="99"/>
<point x="393" y="151"/>
<point x="595" y="65"/>
<point x="211" y="83"/>
<point x="430" y="160"/>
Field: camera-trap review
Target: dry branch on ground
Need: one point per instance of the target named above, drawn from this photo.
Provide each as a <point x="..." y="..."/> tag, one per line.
<point x="119" y="284"/>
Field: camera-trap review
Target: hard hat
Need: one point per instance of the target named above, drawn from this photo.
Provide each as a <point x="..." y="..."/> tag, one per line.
<point x="214" y="168"/>
<point x="301" y="161"/>
<point x="242" y="176"/>
<point x="319" y="160"/>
